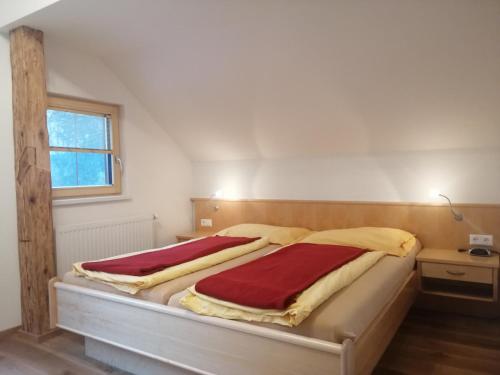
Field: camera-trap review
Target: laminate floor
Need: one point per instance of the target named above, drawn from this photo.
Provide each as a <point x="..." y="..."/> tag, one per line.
<point x="60" y="355"/>
<point x="439" y="343"/>
<point x="426" y="343"/>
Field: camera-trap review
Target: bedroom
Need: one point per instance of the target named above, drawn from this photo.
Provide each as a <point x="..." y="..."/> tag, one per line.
<point x="314" y="114"/>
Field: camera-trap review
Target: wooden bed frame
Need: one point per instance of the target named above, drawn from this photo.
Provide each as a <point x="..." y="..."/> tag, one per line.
<point x="148" y="338"/>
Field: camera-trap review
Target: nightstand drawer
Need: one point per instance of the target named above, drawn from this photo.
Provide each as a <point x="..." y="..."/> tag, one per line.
<point x="456" y="272"/>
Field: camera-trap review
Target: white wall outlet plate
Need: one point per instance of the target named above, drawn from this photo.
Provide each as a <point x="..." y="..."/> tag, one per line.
<point x="481" y="239"/>
<point x="206" y="222"/>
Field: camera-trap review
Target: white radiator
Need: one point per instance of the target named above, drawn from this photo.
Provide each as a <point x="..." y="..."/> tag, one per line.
<point x="83" y="242"/>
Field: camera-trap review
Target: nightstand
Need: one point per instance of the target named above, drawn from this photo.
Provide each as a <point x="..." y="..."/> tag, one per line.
<point x="192" y="235"/>
<point x="449" y="273"/>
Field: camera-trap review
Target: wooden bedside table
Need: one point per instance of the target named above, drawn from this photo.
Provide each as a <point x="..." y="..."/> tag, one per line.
<point x="192" y="235"/>
<point x="454" y="274"/>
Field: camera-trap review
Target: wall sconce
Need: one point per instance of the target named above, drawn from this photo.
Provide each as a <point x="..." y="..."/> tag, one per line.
<point x="458" y="216"/>
<point x="213" y="199"/>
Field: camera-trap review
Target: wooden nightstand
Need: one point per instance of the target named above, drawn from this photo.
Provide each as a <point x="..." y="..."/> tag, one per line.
<point x="454" y="274"/>
<point x="192" y="235"/>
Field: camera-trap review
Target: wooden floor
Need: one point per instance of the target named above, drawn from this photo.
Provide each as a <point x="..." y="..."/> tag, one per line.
<point x="439" y="343"/>
<point x="427" y="343"/>
<point x="59" y="355"/>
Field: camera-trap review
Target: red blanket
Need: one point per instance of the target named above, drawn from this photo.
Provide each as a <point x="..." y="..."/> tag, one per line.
<point x="273" y="281"/>
<point x="154" y="261"/>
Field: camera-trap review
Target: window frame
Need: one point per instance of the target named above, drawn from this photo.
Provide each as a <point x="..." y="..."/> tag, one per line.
<point x="84" y="106"/>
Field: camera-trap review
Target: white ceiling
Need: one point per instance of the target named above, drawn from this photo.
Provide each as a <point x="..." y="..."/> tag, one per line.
<point x="238" y="79"/>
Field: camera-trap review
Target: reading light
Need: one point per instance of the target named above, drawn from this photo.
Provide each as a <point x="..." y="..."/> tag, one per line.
<point x="434" y="193"/>
<point x="457" y="215"/>
<point x="213" y="197"/>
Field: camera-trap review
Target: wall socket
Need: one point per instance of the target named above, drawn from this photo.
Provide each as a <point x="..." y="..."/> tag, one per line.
<point x="481" y="239"/>
<point x="206" y="222"/>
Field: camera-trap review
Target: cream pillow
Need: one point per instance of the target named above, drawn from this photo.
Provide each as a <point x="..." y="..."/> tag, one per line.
<point x="276" y="235"/>
<point x="393" y="241"/>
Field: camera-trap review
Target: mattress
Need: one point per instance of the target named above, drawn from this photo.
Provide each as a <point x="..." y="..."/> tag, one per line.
<point x="161" y="293"/>
<point x="349" y="312"/>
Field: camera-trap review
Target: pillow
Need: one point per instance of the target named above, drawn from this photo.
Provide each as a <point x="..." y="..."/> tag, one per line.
<point x="393" y="241"/>
<point x="276" y="235"/>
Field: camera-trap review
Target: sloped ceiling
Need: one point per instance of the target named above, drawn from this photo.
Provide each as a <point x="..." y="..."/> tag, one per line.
<point x="240" y="79"/>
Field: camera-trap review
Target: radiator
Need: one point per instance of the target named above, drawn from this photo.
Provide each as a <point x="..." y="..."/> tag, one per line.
<point x="83" y="242"/>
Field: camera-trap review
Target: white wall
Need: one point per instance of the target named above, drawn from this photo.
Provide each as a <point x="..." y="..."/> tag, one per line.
<point x="10" y="312"/>
<point x="298" y="78"/>
<point x="12" y="10"/>
<point x="465" y="175"/>
<point x="157" y="174"/>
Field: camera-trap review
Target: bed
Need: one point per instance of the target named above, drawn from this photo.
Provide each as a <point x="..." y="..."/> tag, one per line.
<point x="348" y="313"/>
<point x="155" y="274"/>
<point x="145" y="337"/>
<point x="161" y="293"/>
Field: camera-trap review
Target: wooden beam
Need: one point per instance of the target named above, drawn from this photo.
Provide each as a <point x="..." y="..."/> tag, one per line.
<point x="33" y="182"/>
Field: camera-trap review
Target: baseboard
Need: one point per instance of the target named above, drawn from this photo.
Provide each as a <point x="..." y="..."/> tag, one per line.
<point x="41" y="338"/>
<point x="9" y="331"/>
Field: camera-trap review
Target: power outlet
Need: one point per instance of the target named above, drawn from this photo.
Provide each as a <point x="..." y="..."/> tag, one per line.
<point x="206" y="222"/>
<point x="481" y="239"/>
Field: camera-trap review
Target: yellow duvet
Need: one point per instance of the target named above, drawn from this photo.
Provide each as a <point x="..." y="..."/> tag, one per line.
<point x="133" y="284"/>
<point x="305" y="303"/>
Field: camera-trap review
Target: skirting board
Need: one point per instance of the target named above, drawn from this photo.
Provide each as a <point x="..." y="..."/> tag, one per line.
<point x="9" y="331"/>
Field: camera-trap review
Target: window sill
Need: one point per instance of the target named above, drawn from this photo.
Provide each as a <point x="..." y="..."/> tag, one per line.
<point x="89" y="200"/>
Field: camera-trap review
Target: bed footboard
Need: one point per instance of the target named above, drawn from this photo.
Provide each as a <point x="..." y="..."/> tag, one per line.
<point x="191" y="342"/>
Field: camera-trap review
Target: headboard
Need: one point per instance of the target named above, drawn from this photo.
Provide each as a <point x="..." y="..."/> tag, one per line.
<point x="433" y="224"/>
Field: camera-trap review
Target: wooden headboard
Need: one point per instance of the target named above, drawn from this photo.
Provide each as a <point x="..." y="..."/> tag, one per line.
<point x="433" y="224"/>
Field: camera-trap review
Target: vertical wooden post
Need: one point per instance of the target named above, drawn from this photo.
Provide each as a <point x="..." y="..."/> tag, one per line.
<point x="33" y="182"/>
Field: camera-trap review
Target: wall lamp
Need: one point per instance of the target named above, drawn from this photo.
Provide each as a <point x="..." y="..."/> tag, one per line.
<point x="213" y="199"/>
<point x="458" y="216"/>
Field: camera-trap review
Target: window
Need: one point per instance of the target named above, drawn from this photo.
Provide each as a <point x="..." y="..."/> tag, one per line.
<point x="84" y="147"/>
